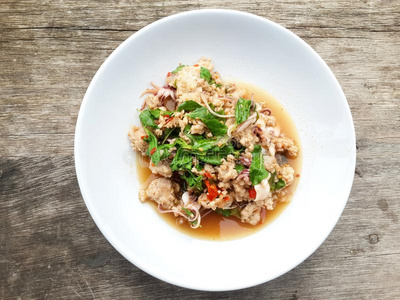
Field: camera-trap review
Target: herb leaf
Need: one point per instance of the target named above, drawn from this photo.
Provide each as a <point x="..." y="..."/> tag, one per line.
<point x="216" y="154"/>
<point x="257" y="169"/>
<point x="212" y="122"/>
<point x="147" y="119"/>
<point x="228" y="212"/>
<point x="189" y="105"/>
<point x="178" y="68"/>
<point x="199" y="113"/>
<point x="199" y="167"/>
<point x="153" y="150"/>
<point x="242" y="110"/>
<point x="182" y="160"/>
<point x="276" y="185"/>
<point x="239" y="168"/>
<point x="280" y="184"/>
<point x="167" y="134"/>
<point x="215" y="126"/>
<point x="155" y="113"/>
<point x="206" y="75"/>
<point x="193" y="181"/>
<point x="165" y="150"/>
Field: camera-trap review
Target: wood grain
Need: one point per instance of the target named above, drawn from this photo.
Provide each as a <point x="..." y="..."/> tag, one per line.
<point x="49" y="246"/>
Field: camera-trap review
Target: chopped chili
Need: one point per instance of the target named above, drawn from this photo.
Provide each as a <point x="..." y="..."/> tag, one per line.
<point x="212" y="190"/>
<point x="226" y="198"/>
<point x="169" y="74"/>
<point x="152" y="151"/>
<point x="208" y="175"/>
<point x="169" y="118"/>
<point x="252" y="193"/>
<point x="196" y="65"/>
<point x="144" y="137"/>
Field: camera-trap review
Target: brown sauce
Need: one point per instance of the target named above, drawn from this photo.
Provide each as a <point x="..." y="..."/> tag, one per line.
<point x="215" y="226"/>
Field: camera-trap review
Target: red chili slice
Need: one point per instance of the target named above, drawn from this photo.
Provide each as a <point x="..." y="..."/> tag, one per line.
<point x="252" y="193"/>
<point x="212" y="190"/>
<point x="152" y="151"/>
<point x="208" y="175"/>
<point x="169" y="119"/>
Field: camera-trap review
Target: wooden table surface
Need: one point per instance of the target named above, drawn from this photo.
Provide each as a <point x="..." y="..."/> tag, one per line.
<point x="50" y="247"/>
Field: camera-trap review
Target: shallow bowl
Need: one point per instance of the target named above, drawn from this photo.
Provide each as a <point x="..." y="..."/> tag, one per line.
<point x="242" y="46"/>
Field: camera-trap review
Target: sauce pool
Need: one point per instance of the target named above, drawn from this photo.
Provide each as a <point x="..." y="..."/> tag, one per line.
<point x="215" y="226"/>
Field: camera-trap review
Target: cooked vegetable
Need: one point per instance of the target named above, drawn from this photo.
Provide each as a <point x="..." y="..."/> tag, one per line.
<point x="147" y="119"/>
<point x="212" y="190"/>
<point x="242" y="110"/>
<point x="228" y="212"/>
<point x="188" y="105"/>
<point x="206" y="75"/>
<point x="257" y="169"/>
<point x="153" y="151"/>
<point x="193" y="181"/>
<point x="239" y="168"/>
<point x="178" y="68"/>
<point x="276" y="185"/>
<point x="252" y="193"/>
<point x="213" y="124"/>
<point x="182" y="160"/>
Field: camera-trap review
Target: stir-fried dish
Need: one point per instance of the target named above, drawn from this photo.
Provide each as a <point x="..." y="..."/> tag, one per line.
<point x="211" y="149"/>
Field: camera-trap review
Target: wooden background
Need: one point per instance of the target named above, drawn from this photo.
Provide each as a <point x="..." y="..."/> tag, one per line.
<point x="50" y="247"/>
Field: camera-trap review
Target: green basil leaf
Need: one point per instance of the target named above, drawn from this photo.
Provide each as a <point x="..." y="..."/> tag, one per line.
<point x="239" y="168"/>
<point x="178" y="68"/>
<point x="193" y="181"/>
<point x="199" y="167"/>
<point x="206" y="75"/>
<point x="214" y="125"/>
<point x="182" y="160"/>
<point x="280" y="184"/>
<point x="271" y="181"/>
<point x="276" y="185"/>
<point x="224" y="212"/>
<point x="147" y="119"/>
<point x="257" y="169"/>
<point x="198" y="113"/>
<point x="189" y="105"/>
<point x="153" y="150"/>
<point x="155" y="113"/>
<point x="216" y="154"/>
<point x="228" y="212"/>
<point x="211" y="122"/>
<point x="165" y="150"/>
<point x="167" y="134"/>
<point x="242" y="110"/>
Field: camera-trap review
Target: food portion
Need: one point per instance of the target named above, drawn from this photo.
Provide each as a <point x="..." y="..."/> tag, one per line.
<point x="211" y="149"/>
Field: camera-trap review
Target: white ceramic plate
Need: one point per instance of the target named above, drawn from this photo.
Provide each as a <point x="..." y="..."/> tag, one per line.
<point x="242" y="46"/>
